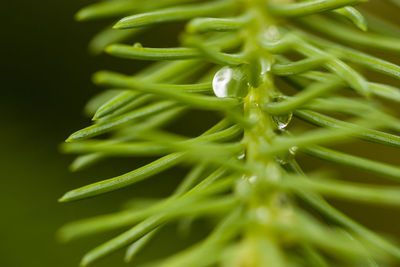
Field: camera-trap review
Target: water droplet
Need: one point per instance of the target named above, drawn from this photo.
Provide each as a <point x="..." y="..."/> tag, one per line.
<point x="265" y="66"/>
<point x="293" y="150"/>
<point x="138" y="45"/>
<point x="288" y="156"/>
<point x="282" y="121"/>
<point x="242" y="156"/>
<point x="230" y="82"/>
<point x="282" y="160"/>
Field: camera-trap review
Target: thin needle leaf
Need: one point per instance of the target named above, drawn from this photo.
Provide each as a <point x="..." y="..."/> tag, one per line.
<point x="185" y="208"/>
<point x="217" y="24"/>
<point x="195" y="100"/>
<point x="307" y="7"/>
<point x="316" y="201"/>
<point x="177" y="14"/>
<point x="383" y="169"/>
<point x="129" y="178"/>
<point x="375" y="194"/>
<point x="103" y="127"/>
<point x="351" y="36"/>
<point x="364" y="134"/>
<point x="138" y="245"/>
<point x="303" y="97"/>
<point x="297" y="67"/>
<point x="354" y="16"/>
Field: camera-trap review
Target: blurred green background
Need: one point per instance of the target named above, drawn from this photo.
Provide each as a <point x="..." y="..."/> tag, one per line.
<point x="45" y="73"/>
<point x="45" y="80"/>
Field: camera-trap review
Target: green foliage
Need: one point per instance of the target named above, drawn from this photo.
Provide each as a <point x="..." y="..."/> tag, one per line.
<point x="244" y="171"/>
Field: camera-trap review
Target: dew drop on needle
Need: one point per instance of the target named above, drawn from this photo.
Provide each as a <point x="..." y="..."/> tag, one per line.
<point x="231" y="82"/>
<point x="282" y="121"/>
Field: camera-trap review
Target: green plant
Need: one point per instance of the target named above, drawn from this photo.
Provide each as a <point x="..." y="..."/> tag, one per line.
<point x="244" y="173"/>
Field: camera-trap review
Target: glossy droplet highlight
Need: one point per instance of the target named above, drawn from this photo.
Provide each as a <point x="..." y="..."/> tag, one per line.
<point x="293" y="150"/>
<point x="288" y="156"/>
<point x="221" y="81"/>
<point x="242" y="156"/>
<point x="282" y="121"/>
<point x="231" y="82"/>
<point x="265" y="66"/>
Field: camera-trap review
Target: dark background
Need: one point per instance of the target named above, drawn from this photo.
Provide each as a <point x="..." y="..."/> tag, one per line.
<point x="45" y="82"/>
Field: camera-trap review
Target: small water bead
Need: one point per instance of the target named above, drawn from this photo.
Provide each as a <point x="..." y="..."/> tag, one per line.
<point x="282" y="160"/>
<point x="293" y="150"/>
<point x="282" y="121"/>
<point x="231" y="82"/>
<point x="288" y="156"/>
<point x="265" y="66"/>
<point x="242" y="156"/>
<point x="137" y="45"/>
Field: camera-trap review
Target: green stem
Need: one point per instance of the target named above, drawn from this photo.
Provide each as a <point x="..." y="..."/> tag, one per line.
<point x="260" y="94"/>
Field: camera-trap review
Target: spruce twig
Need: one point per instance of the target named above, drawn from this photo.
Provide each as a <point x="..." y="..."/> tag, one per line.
<point x="244" y="173"/>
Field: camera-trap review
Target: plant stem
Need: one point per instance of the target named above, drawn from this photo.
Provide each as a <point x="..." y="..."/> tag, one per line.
<point x="260" y="202"/>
